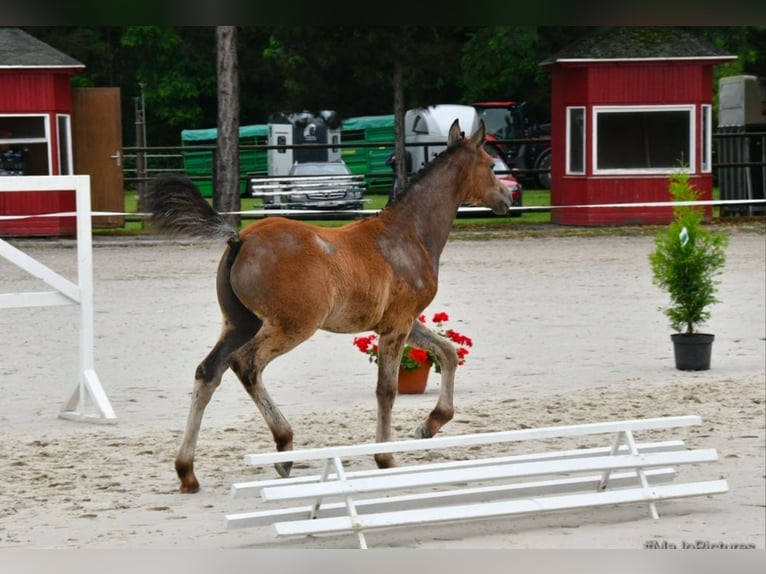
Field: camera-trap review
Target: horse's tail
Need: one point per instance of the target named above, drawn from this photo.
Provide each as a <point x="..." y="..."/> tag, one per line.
<point x="177" y="206"/>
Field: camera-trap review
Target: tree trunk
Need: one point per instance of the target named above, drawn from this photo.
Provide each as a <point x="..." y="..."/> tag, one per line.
<point x="226" y="196"/>
<point x="401" y="166"/>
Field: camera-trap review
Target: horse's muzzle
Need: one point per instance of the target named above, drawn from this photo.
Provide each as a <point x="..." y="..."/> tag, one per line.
<point x="502" y="201"/>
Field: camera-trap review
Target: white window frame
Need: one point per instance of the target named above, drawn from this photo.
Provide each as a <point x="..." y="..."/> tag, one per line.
<point x="689" y="161"/>
<point x="46" y="139"/>
<point x="569" y="170"/>
<point x="706" y="153"/>
<point x="65" y="144"/>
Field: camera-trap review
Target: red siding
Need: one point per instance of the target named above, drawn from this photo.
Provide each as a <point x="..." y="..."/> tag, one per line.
<point x="37" y="202"/>
<point x="647" y="83"/>
<point x="620" y="83"/>
<point x="37" y="92"/>
<point x="598" y="191"/>
<point x="34" y="92"/>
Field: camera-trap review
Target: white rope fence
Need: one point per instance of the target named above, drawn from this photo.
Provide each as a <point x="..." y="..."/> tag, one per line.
<point x="465" y="209"/>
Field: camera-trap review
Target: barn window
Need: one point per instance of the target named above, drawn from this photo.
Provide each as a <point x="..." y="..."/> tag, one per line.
<point x="642" y="139"/>
<point x="575" y="141"/>
<point x="27" y="139"/>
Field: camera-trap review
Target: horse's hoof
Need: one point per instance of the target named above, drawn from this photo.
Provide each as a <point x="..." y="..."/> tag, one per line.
<point x="385" y="460"/>
<point x="422" y="432"/>
<point x="189" y="483"/>
<point x="189" y="488"/>
<point x="283" y="468"/>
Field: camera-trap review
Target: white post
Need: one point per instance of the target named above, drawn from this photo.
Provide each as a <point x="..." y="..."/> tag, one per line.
<point x="88" y="386"/>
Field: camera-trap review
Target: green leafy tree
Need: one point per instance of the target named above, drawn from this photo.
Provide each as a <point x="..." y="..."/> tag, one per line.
<point x="350" y="69"/>
<point x="177" y="69"/>
<point x="370" y="70"/>
<point x="500" y="62"/>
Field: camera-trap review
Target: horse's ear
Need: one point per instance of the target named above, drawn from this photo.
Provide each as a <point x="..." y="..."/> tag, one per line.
<point x="455" y="135"/>
<point x="480" y="137"/>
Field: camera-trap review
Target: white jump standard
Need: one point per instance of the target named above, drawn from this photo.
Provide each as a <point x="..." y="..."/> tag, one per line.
<point x="88" y="401"/>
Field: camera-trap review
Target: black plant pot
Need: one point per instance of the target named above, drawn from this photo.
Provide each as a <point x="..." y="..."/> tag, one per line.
<point x="692" y="352"/>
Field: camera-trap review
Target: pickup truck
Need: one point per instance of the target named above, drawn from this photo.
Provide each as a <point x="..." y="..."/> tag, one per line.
<point x="311" y="185"/>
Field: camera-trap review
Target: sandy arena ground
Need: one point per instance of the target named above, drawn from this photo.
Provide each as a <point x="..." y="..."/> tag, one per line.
<point x="566" y="330"/>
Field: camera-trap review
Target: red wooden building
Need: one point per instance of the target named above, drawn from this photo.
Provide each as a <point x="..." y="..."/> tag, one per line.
<point x="35" y="130"/>
<point x="629" y="105"/>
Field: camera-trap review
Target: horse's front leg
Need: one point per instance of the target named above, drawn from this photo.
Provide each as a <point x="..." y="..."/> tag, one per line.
<point x="446" y="354"/>
<point x="389" y="356"/>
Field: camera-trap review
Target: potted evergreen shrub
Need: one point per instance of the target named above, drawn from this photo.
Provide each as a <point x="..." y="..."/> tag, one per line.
<point x="686" y="262"/>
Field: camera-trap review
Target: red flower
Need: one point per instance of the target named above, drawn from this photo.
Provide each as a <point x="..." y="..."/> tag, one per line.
<point x="419" y="355"/>
<point x="456" y="337"/>
<point x="414" y="357"/>
<point x="440" y="317"/>
<point x="364" y="343"/>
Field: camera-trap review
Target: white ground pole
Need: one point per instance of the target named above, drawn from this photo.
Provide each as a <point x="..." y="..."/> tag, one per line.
<point x="88" y="401"/>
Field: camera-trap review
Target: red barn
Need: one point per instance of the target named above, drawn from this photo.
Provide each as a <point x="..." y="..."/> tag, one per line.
<point x="35" y="129"/>
<point x="629" y="105"/>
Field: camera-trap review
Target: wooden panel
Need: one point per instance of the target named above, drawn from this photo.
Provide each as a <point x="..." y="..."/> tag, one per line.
<point x="468" y="489"/>
<point x="469" y="440"/>
<point x="497" y="509"/>
<point x="97" y="137"/>
<point x="443" y="497"/>
<point x="387" y="483"/>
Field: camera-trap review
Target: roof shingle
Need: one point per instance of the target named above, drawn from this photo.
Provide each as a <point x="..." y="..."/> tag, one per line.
<point x="638" y="43"/>
<point x="21" y="50"/>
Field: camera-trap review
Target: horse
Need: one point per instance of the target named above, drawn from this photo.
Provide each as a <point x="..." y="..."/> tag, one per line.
<point x="280" y="280"/>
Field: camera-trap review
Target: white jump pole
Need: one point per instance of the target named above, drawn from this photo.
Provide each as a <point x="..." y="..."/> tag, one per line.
<point x="88" y="401"/>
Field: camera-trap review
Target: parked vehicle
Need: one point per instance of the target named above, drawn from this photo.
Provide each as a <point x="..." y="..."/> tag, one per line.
<point x="312" y="185"/>
<point x="426" y="136"/>
<point x="506" y="120"/>
<point x="503" y="173"/>
<point x="287" y="129"/>
<point x="426" y="129"/>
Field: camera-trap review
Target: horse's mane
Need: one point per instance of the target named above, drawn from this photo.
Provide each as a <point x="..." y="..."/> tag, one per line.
<point x="423" y="173"/>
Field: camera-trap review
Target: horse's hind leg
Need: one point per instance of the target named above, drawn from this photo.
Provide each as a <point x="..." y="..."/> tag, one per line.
<point x="206" y="380"/>
<point x="445" y="352"/>
<point x="250" y="376"/>
<point x="248" y="364"/>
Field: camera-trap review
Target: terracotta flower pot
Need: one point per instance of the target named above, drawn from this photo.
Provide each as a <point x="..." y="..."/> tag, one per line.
<point x="413" y="381"/>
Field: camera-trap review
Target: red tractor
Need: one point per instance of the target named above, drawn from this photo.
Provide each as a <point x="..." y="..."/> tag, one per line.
<point x="527" y="147"/>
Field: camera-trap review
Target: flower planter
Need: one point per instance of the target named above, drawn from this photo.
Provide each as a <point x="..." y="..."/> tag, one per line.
<point x="692" y="352"/>
<point x="415" y="362"/>
<point x="413" y="381"/>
